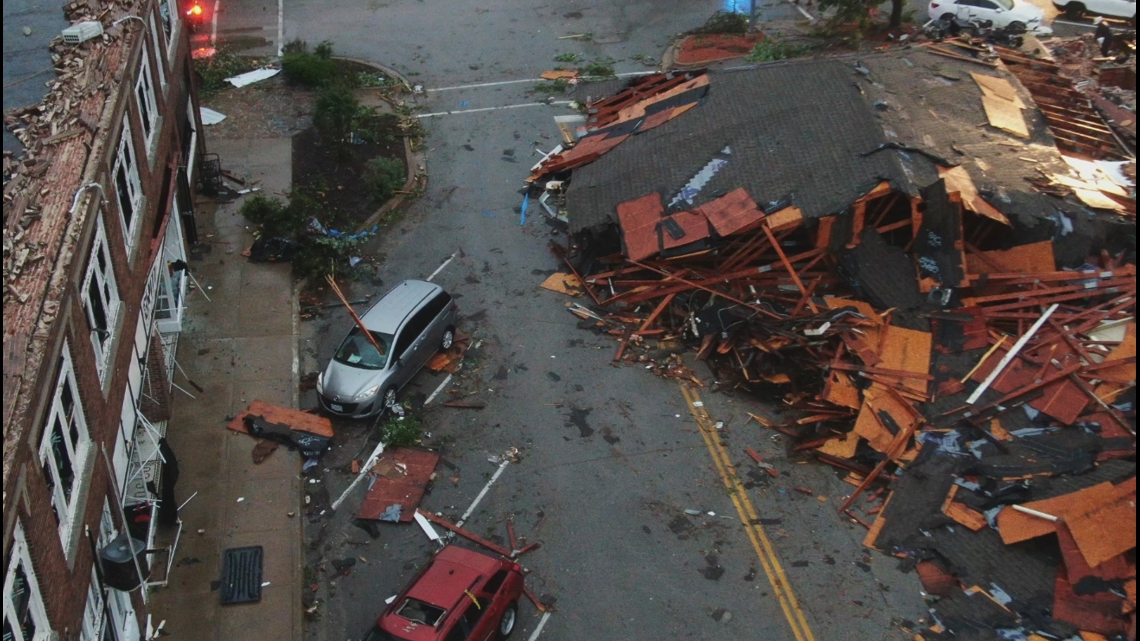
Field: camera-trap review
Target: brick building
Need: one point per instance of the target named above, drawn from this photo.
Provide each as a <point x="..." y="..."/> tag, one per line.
<point x="97" y="216"/>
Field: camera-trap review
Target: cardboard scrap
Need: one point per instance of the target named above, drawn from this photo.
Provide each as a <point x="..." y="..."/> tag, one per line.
<point x="556" y="74"/>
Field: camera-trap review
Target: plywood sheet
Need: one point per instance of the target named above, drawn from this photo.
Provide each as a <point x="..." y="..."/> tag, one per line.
<point x="907" y="350"/>
<point x="404" y="489"/>
<point x="295" y="419"/>
<point x="638" y="219"/>
<point x="732" y="212"/>
<point x="1126" y="349"/>
<point x="1107" y="530"/>
<point x="841" y="447"/>
<point x="999" y="88"/>
<point x="840" y="390"/>
<point x="1016" y="527"/>
<point x="958" y="180"/>
<point x="1034" y="258"/>
<point x="568" y="284"/>
<point x="1005" y="115"/>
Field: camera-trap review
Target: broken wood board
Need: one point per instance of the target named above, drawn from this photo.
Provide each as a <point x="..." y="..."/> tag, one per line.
<point x="958" y="179"/>
<point x="568" y="284"/>
<point x="295" y="419"/>
<point x="556" y="74"/>
<point x="907" y="350"/>
<point x="392" y="487"/>
<point x="450" y="360"/>
<point x="1005" y="115"/>
<point x="999" y="88"/>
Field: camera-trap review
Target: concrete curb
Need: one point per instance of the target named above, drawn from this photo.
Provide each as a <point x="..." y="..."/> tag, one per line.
<point x="413" y="160"/>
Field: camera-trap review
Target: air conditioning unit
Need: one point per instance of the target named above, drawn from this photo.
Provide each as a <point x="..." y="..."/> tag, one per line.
<point x="82" y="32"/>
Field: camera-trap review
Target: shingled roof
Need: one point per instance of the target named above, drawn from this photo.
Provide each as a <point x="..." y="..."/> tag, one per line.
<point x="795" y="132"/>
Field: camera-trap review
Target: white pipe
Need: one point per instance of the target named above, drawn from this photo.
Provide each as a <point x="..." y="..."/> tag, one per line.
<point x="1032" y="512"/>
<point x="1011" y="354"/>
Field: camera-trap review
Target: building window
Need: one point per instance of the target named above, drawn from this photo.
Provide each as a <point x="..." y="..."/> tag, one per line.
<point x="101" y="299"/>
<point x="154" y="40"/>
<point x="127" y="185"/>
<point x="25" y="618"/>
<point x="64" y="451"/>
<point x="94" y="613"/>
<point x="148" y="107"/>
<point x="168" y="12"/>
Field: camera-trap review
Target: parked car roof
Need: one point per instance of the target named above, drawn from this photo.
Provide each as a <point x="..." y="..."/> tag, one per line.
<point x="387" y="313"/>
<point x="453" y="571"/>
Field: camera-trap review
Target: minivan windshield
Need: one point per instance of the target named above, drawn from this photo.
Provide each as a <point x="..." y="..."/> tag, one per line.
<point x="358" y="351"/>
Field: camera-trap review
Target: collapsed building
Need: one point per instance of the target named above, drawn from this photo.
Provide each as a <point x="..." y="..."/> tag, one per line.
<point x="926" y="266"/>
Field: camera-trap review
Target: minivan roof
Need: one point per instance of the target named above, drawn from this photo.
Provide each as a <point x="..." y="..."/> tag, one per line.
<point x="386" y="315"/>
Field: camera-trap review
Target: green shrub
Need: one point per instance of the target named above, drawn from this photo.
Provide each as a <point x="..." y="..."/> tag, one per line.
<point x="771" y="48"/>
<point x="321" y="256"/>
<point x="559" y="85"/>
<point x="336" y="111"/>
<point x="724" y="22"/>
<point x="601" y="68"/>
<point x="315" y="69"/>
<point x="385" y="175"/>
<point x="275" y="218"/>
<point x="401" y="432"/>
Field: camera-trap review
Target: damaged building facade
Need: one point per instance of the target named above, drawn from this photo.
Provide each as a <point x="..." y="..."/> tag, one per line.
<point x="923" y="261"/>
<point x="97" y="217"/>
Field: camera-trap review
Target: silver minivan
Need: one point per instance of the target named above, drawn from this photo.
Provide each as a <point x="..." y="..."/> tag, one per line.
<point x="409" y="324"/>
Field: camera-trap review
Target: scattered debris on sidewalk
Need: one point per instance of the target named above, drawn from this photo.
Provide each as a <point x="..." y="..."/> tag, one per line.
<point x="294" y="429"/>
<point x="250" y="77"/>
<point x="970" y="376"/>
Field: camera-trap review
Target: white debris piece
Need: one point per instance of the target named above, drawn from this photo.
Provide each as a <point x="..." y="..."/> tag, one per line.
<point x="250" y="77"/>
<point x="211" y="117"/>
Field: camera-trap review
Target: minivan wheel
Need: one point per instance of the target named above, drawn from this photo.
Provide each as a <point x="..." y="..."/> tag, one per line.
<point x="448" y="339"/>
<point x="507" y="623"/>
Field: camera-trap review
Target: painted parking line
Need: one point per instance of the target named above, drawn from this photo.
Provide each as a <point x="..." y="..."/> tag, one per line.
<point x="434" y="114"/>
<point x="478" y="499"/>
<point x="438" y="389"/>
<point x="541" y="625"/>
<point x="440" y="268"/>
<point x="750" y="519"/>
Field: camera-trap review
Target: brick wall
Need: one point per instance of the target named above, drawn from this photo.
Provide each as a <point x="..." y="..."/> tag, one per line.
<point x="64" y="584"/>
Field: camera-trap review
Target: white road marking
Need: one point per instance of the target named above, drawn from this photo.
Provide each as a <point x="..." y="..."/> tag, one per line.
<point x="471" y="111"/>
<point x="368" y="465"/>
<point x="440" y="268"/>
<point x="541" y="625"/>
<point x="280" y="27"/>
<point x="214" y="24"/>
<point x="498" y="472"/>
<point x="438" y="389"/>
<point x="479" y="85"/>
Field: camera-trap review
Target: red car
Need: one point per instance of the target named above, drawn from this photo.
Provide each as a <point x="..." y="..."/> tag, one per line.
<point x="460" y="596"/>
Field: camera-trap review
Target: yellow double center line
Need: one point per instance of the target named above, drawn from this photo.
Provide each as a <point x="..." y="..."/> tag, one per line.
<point x="749" y="518"/>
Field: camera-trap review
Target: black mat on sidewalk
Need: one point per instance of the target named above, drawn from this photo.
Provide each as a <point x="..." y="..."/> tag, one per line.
<point x="241" y="575"/>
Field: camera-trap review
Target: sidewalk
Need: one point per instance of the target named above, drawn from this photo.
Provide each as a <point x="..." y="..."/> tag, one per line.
<point x="240" y="346"/>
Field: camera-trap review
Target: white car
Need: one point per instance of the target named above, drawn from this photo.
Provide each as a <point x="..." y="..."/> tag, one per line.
<point x="1115" y="8"/>
<point x="1017" y="14"/>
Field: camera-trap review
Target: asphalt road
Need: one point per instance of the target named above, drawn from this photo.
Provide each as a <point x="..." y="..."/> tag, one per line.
<point x="611" y="457"/>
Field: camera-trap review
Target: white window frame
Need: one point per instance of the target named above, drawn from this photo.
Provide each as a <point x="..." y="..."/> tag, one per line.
<point x="126" y="178"/>
<point x="101" y="277"/>
<point x="94" y="612"/>
<point x="154" y="40"/>
<point x="192" y="157"/>
<point x="21" y="561"/>
<point x="147" y="103"/>
<point x="170" y="25"/>
<point x="66" y="508"/>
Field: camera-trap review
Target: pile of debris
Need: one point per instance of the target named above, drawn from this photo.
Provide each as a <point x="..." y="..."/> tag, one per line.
<point x="1108" y="81"/>
<point x="979" y="399"/>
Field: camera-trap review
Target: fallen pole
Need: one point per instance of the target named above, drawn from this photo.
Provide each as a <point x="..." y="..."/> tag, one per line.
<point x="1010" y="355"/>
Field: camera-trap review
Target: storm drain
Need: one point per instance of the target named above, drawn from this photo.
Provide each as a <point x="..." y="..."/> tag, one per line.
<point x="241" y="575"/>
